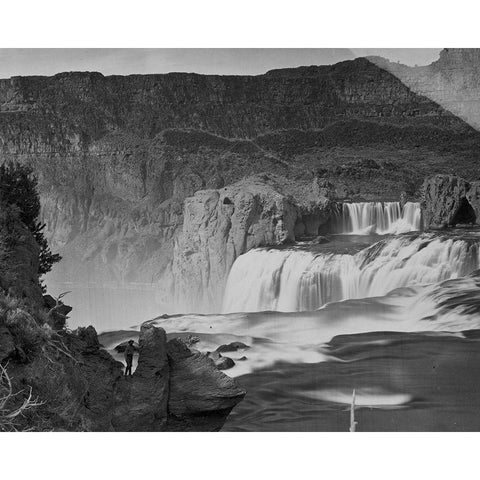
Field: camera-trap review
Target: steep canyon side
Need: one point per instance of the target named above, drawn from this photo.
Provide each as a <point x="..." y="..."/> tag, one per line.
<point x="133" y="169"/>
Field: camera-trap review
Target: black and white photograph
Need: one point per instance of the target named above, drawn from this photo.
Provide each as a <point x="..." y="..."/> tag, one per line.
<point x="248" y="239"/>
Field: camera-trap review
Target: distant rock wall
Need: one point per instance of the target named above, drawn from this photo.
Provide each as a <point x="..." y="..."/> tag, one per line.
<point x="117" y="156"/>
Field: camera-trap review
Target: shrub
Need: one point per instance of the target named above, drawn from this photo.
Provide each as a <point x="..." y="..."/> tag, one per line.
<point x="18" y="187"/>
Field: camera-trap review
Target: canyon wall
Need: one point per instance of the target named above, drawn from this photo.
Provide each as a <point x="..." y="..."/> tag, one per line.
<point x="220" y="225"/>
<point x="117" y="157"/>
<point x="453" y="81"/>
<point x="449" y="200"/>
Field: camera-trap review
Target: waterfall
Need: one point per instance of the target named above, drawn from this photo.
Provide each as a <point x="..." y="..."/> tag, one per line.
<point x="383" y="218"/>
<point x="297" y="280"/>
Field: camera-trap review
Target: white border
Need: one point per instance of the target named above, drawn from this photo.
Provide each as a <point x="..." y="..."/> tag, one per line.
<point x="249" y="23"/>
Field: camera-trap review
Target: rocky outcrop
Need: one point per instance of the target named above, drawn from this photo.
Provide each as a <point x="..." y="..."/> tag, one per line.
<point x="201" y="396"/>
<point x="141" y="403"/>
<point x="220" y="225"/>
<point x="82" y="387"/>
<point x="449" y="200"/>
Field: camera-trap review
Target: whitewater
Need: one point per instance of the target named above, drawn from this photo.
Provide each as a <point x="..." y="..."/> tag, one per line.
<point x="378" y="308"/>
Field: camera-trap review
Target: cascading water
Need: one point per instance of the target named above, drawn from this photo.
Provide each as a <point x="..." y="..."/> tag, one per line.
<point x="378" y="217"/>
<point x="296" y="280"/>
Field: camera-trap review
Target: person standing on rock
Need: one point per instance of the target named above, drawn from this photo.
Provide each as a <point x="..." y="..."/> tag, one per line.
<point x="129" y="351"/>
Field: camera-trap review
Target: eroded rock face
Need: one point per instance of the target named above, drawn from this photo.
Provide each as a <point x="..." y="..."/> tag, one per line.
<point x="83" y="387"/>
<point x="18" y="258"/>
<point x="142" y="401"/>
<point x="220" y="225"/>
<point x="201" y="397"/>
<point x="449" y="200"/>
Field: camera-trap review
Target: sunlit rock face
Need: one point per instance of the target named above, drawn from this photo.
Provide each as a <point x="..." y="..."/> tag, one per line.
<point x="453" y="81"/>
<point x="220" y="225"/>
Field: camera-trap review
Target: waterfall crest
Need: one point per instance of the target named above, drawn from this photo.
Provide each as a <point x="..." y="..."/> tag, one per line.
<point x="296" y="280"/>
<point x="383" y="218"/>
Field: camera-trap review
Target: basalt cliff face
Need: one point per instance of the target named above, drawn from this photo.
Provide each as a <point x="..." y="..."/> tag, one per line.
<point x="450" y="201"/>
<point x="453" y="81"/>
<point x="118" y="156"/>
<point x="219" y="225"/>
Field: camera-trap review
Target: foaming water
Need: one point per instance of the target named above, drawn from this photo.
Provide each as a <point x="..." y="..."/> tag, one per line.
<point x="383" y="218"/>
<point x="300" y="337"/>
<point x="296" y="280"/>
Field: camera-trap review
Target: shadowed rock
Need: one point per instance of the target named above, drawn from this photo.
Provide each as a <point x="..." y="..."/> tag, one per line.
<point x="141" y="401"/>
<point x="449" y="200"/>
<point x="232" y="347"/>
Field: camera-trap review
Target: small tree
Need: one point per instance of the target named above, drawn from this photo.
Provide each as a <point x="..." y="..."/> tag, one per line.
<point x="18" y="186"/>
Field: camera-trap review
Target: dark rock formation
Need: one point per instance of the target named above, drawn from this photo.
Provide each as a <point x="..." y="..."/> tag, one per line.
<point x="83" y="387"/>
<point x="449" y="200"/>
<point x="221" y="362"/>
<point x="141" y="402"/>
<point x="7" y="343"/>
<point x="58" y="311"/>
<point x="224" y="363"/>
<point x="232" y="347"/>
<point x="201" y="396"/>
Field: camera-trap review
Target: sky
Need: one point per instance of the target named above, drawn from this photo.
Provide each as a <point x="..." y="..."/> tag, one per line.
<point x="222" y="61"/>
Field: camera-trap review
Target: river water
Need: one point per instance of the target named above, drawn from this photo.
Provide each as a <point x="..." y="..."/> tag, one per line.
<point x="383" y="308"/>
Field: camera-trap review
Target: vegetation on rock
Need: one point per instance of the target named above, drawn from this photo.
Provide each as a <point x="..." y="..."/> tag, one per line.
<point x="19" y="197"/>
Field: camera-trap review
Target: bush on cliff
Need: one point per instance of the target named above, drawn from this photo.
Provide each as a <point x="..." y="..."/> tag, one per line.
<point x="19" y="195"/>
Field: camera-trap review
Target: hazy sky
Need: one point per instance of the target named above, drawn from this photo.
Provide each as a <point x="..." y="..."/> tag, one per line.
<point x="223" y="61"/>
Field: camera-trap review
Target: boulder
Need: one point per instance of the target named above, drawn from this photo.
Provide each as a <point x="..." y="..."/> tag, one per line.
<point x="88" y="335"/>
<point x="141" y="401"/>
<point x="232" y="347"/>
<point x="221" y="362"/>
<point x="201" y="397"/>
<point x="224" y="363"/>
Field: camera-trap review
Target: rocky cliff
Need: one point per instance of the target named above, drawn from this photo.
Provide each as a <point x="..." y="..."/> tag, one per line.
<point x="219" y="225"/>
<point x="449" y="200"/>
<point x="77" y="386"/>
<point x="117" y="156"/>
<point x="55" y="379"/>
